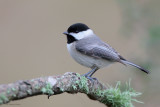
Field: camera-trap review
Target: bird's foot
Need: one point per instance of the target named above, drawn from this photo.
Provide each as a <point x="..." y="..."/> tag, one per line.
<point x="89" y="77"/>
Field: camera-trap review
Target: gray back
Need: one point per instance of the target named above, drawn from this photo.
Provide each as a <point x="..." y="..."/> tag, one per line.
<point x="94" y="47"/>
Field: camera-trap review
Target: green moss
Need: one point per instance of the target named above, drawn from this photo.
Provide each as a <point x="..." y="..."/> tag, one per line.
<point x="13" y="89"/>
<point x="78" y="75"/>
<point x="74" y="87"/>
<point x="112" y="95"/>
<point x="29" y="92"/>
<point x="3" y="98"/>
<point x="116" y="98"/>
<point x="47" y="89"/>
<point x="82" y="84"/>
<point x="1" y="102"/>
<point x="62" y="86"/>
<point x="14" y="95"/>
<point x="8" y="91"/>
<point x="37" y="87"/>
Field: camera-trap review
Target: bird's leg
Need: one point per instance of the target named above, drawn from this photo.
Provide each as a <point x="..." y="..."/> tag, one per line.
<point x="86" y="74"/>
<point x="90" y="73"/>
<point x="95" y="69"/>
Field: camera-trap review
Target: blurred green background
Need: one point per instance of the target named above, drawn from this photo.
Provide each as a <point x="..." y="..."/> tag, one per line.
<point x="32" y="44"/>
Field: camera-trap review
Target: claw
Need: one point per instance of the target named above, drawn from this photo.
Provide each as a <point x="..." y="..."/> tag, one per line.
<point x="90" y="78"/>
<point x="90" y="73"/>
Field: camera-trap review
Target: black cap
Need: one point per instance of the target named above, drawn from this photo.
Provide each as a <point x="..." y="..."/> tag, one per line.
<point x="77" y="27"/>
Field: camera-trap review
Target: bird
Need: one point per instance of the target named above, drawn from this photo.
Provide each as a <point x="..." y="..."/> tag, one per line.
<point x="89" y="50"/>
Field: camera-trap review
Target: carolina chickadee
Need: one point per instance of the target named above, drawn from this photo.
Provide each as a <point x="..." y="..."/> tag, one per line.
<point x="90" y="51"/>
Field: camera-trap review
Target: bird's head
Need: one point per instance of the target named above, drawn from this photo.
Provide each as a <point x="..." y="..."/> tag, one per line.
<point x="77" y="31"/>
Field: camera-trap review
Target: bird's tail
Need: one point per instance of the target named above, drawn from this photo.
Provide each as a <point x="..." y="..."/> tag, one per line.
<point x="137" y="66"/>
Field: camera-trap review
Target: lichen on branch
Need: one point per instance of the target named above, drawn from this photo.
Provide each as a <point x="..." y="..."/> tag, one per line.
<point x="70" y="83"/>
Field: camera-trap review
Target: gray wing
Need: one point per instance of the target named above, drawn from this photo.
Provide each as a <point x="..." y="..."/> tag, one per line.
<point x="97" y="49"/>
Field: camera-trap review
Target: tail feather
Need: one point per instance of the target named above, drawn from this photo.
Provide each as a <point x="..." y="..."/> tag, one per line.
<point x="137" y="66"/>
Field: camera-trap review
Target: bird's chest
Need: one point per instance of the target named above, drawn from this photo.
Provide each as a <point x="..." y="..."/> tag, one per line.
<point x="84" y="59"/>
<point x="77" y="56"/>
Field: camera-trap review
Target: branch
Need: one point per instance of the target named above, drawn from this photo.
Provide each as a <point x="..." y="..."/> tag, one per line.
<point x="70" y="83"/>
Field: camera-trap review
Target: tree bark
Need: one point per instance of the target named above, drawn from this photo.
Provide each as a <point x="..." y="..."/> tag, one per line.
<point x="51" y="85"/>
<point x="71" y="83"/>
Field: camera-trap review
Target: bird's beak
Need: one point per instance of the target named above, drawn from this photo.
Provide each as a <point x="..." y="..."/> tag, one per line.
<point x="66" y="33"/>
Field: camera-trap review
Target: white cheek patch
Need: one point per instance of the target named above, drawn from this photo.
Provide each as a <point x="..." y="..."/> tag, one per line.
<point x="82" y="34"/>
